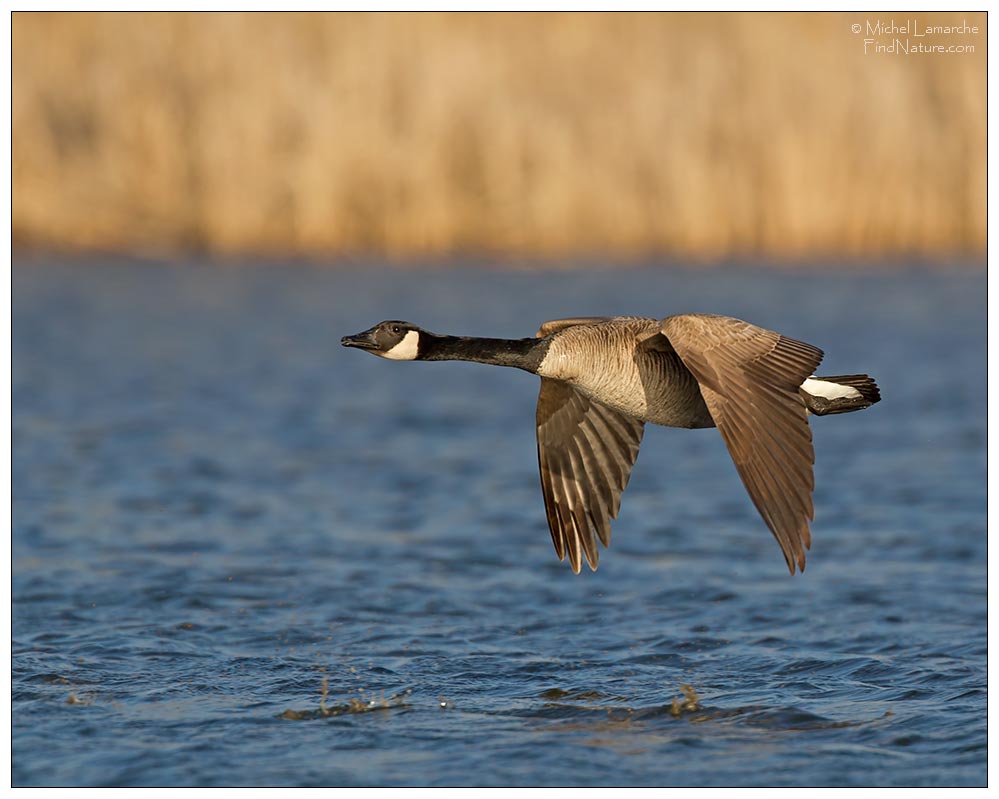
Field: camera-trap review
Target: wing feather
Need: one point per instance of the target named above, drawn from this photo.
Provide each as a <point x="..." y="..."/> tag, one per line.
<point x="585" y="455"/>
<point x="749" y="378"/>
<point x="555" y="325"/>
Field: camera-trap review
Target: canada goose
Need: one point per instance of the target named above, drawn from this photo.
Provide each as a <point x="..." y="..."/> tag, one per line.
<point x="603" y="378"/>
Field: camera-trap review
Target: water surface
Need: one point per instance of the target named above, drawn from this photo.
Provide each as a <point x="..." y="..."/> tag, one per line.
<point x="217" y="509"/>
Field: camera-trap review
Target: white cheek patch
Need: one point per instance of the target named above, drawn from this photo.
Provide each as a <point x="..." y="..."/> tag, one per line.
<point x="405" y="350"/>
<point x="829" y="391"/>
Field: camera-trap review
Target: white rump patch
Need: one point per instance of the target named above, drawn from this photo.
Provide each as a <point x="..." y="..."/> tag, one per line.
<point x="829" y="391"/>
<point x="405" y="350"/>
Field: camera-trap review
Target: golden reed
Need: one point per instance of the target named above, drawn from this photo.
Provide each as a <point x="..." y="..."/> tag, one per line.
<point x="518" y="135"/>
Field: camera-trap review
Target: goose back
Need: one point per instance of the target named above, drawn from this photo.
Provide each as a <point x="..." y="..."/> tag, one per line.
<point x="627" y="364"/>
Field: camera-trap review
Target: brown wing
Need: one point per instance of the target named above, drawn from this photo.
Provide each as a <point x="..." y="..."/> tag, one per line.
<point x="749" y="378"/>
<point x="553" y="326"/>
<point x="585" y="453"/>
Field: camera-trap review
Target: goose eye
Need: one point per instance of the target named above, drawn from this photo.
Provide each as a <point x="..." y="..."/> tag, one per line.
<point x="396" y="329"/>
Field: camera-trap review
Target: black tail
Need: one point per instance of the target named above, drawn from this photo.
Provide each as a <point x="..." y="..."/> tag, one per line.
<point x="823" y="400"/>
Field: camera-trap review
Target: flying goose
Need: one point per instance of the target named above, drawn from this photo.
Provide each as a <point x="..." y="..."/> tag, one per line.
<point x="603" y="378"/>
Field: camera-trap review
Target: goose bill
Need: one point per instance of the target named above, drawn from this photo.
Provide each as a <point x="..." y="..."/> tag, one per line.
<point x="362" y="341"/>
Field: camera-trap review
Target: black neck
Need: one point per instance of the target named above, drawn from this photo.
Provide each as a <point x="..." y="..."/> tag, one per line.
<point x="521" y="353"/>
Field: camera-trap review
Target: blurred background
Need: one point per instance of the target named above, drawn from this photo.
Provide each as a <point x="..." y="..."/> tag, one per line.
<point x="517" y="136"/>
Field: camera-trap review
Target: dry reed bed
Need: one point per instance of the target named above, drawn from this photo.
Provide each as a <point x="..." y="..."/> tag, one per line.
<point x="700" y="135"/>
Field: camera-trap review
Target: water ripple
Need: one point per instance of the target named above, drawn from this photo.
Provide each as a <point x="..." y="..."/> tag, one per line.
<point x="242" y="556"/>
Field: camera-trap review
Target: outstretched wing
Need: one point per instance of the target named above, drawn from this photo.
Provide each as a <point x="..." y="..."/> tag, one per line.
<point x="749" y="378"/>
<point x="585" y="453"/>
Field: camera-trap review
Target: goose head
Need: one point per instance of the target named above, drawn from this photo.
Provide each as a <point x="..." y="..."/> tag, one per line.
<point x="396" y="340"/>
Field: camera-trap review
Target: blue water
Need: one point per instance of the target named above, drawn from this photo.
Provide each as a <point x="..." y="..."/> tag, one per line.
<point x="217" y="509"/>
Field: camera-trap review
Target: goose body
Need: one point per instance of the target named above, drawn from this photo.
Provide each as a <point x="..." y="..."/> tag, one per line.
<point x="626" y="364"/>
<point x="604" y="378"/>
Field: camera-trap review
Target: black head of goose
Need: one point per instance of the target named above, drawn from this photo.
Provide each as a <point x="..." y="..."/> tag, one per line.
<point x="603" y="378"/>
